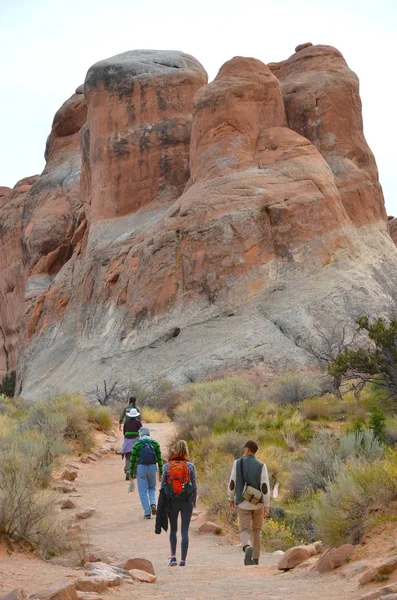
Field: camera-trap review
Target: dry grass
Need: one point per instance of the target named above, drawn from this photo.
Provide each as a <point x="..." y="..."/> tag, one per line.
<point x="153" y="415"/>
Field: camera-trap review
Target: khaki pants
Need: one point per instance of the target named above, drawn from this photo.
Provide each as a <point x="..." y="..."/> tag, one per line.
<point x="250" y="521"/>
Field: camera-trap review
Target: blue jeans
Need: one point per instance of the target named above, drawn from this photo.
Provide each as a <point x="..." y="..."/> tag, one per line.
<point x="146" y="478"/>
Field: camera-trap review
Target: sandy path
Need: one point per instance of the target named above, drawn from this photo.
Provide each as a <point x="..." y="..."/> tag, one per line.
<point x="214" y="570"/>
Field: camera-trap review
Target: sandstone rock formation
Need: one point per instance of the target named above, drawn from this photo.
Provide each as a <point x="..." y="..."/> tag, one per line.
<point x="213" y="223"/>
<point x="392" y="224"/>
<point x="12" y="281"/>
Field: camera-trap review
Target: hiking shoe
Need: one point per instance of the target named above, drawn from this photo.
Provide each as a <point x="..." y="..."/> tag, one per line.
<point x="173" y="562"/>
<point x="153" y="509"/>
<point x="255" y="561"/>
<point x="127" y="477"/>
<point x="248" y="555"/>
<point x="182" y="563"/>
<point x="147" y="517"/>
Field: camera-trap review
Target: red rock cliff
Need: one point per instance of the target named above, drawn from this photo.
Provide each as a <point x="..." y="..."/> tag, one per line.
<point x="214" y="223"/>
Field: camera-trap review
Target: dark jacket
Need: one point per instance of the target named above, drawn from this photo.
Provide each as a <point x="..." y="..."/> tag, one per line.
<point x="162" y="513"/>
<point x="131" y="427"/>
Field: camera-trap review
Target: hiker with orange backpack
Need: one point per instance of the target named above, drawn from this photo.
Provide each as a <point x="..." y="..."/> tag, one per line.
<point x="179" y="492"/>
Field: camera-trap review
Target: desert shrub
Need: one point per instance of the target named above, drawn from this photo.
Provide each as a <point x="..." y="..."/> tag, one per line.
<point x="275" y="459"/>
<point x="360" y="444"/>
<point x="44" y="441"/>
<point x="277" y="535"/>
<point x="75" y="410"/>
<point x="160" y="395"/>
<point x="326" y="456"/>
<point x="100" y="416"/>
<point x="213" y="483"/>
<point x="317" y="408"/>
<point x="293" y="388"/>
<point x="6" y="425"/>
<point x="231" y="443"/>
<point x="153" y="415"/>
<point x="318" y="466"/>
<point x="391" y="431"/>
<point x="342" y="511"/>
<point x="299" y="516"/>
<point x="27" y="512"/>
<point x="221" y="405"/>
<point x="295" y="430"/>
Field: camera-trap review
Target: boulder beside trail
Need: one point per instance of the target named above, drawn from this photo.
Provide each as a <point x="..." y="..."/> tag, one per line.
<point x="295" y="556"/>
<point x="386" y="567"/>
<point x="210" y="527"/>
<point x="69" y="474"/>
<point x="334" y="557"/>
<point x="143" y="576"/>
<point x="139" y="563"/>
<point x="57" y="591"/>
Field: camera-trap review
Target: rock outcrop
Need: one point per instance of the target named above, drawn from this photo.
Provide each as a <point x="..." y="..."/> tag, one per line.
<point x="12" y="278"/>
<point x="322" y="102"/>
<point x="213" y="223"/>
<point x="392" y="225"/>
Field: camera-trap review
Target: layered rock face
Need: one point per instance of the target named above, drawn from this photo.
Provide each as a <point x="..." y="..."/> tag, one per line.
<point x="215" y="223"/>
<point x="323" y="104"/>
<point x="12" y="280"/>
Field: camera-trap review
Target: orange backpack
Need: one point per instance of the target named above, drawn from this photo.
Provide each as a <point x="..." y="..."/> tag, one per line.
<point x="178" y="478"/>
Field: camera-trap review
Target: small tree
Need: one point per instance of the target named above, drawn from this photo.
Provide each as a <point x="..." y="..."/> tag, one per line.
<point x="375" y="360"/>
<point x="325" y="344"/>
<point x="104" y="398"/>
<point x="8" y="384"/>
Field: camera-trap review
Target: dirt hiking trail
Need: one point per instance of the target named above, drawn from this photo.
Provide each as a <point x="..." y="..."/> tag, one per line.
<point x="118" y="531"/>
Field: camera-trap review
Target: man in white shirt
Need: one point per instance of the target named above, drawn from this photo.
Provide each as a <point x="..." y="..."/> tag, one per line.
<point x="249" y="470"/>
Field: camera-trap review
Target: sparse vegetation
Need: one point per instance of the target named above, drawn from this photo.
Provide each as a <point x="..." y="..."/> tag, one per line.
<point x="341" y="513"/>
<point x="309" y="445"/>
<point x="293" y="388"/>
<point x="152" y="415"/>
<point x="33" y="438"/>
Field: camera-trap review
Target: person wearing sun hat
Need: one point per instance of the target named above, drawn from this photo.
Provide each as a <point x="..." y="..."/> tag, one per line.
<point x="131" y="428"/>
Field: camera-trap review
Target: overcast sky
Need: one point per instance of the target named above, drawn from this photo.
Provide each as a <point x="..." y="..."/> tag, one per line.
<point x="46" y="47"/>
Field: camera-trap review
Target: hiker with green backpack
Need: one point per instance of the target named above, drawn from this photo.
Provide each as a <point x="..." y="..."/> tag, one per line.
<point x="145" y="458"/>
<point x="178" y="497"/>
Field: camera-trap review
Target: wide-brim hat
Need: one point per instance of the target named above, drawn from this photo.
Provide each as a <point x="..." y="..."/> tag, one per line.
<point x="132" y="412"/>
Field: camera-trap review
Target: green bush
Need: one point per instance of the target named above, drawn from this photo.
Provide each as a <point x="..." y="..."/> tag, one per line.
<point x="7" y="386"/>
<point x="299" y="516"/>
<point x="277" y="535"/>
<point x="377" y="423"/>
<point x="342" y="511"/>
